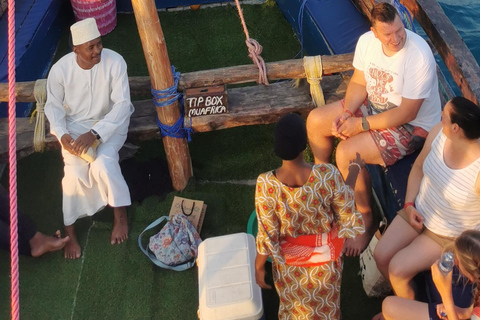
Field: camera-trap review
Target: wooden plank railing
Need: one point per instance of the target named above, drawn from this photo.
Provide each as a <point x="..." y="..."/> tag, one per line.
<point x="247" y="106"/>
<point x="140" y="86"/>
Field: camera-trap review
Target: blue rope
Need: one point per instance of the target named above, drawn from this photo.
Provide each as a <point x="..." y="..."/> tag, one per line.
<point x="164" y="98"/>
<point x="300" y="26"/>
<point x="405" y="15"/>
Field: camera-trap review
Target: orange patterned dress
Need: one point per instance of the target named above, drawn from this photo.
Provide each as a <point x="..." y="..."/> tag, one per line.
<point x="323" y="202"/>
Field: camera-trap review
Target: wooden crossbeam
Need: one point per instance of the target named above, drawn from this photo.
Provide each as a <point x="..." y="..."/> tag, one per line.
<point x="247" y="106"/>
<point x="140" y="86"/>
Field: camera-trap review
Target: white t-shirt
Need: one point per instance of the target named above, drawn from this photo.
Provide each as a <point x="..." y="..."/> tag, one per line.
<point x="410" y="73"/>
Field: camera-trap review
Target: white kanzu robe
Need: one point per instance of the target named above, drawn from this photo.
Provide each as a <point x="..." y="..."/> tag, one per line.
<point x="79" y="100"/>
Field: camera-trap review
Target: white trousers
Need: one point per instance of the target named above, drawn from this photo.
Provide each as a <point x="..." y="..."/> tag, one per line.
<point x="89" y="187"/>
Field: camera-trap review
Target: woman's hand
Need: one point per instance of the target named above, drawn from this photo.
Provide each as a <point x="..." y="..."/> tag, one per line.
<point x="354" y="168"/>
<point x="447" y="310"/>
<point x="358" y="160"/>
<point x="414" y="217"/>
<point x="260" y="272"/>
<point x="442" y="311"/>
<point x="260" y="277"/>
<point x="442" y="282"/>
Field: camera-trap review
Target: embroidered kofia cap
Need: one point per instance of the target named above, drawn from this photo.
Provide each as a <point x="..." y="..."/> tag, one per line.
<point x="84" y="31"/>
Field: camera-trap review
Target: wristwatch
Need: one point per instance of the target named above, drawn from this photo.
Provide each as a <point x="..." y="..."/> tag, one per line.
<point x="365" y="124"/>
<point x="95" y="133"/>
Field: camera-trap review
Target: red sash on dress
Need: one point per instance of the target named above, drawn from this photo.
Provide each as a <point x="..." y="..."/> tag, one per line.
<point x="312" y="250"/>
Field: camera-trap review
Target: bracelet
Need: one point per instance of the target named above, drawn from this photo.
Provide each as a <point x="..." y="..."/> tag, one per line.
<point x="355" y="164"/>
<point x="408" y="204"/>
<point x="349" y="112"/>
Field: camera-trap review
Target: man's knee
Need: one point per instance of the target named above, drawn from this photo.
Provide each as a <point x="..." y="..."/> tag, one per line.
<point x="320" y="119"/>
<point x="75" y="171"/>
<point x="344" y="153"/>
<point x="104" y="165"/>
<point x="314" y="118"/>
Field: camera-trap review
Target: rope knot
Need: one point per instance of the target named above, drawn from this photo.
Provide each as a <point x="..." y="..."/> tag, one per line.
<point x="164" y="98"/>
<point x="313" y="71"/>
<point x="254" y="51"/>
<point x="314" y="81"/>
<point x="40" y="93"/>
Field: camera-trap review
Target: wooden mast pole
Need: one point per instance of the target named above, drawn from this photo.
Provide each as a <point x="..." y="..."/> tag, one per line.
<point x="159" y="69"/>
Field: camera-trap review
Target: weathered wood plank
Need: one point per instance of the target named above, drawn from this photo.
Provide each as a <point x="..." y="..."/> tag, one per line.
<point x="287" y="69"/>
<point x="23" y="91"/>
<point x="140" y="86"/>
<point x="247" y="106"/>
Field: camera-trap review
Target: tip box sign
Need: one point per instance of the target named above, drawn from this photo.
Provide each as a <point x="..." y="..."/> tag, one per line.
<point x="205" y="101"/>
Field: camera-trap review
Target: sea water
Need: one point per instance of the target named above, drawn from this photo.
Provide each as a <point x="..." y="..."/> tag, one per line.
<point x="464" y="16"/>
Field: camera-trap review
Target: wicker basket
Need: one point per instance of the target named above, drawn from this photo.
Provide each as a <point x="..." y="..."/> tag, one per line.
<point x="104" y="12"/>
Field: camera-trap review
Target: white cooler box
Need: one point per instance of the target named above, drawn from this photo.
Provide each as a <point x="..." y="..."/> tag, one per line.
<point x="226" y="279"/>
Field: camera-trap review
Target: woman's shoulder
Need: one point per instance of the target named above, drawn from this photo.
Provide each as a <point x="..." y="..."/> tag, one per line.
<point x="266" y="176"/>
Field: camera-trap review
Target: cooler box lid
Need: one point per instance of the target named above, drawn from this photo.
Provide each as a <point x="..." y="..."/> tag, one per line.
<point x="226" y="278"/>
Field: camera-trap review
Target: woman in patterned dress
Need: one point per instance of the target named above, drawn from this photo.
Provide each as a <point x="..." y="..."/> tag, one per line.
<point x="304" y="213"/>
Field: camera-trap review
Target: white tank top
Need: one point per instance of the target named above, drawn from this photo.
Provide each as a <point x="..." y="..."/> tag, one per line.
<point x="447" y="198"/>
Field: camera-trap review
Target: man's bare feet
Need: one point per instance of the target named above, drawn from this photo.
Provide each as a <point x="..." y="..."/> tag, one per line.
<point x="120" y="225"/>
<point x="72" y="248"/>
<point x="354" y="246"/>
<point x="41" y="243"/>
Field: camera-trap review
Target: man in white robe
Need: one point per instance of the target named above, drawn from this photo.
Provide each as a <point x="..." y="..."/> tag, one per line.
<point x="88" y="101"/>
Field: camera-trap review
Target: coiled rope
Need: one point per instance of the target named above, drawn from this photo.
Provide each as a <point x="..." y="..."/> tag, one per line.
<point x="12" y="141"/>
<point x="313" y="71"/>
<point x="254" y="50"/>
<point x="40" y="93"/>
<point x="164" y="98"/>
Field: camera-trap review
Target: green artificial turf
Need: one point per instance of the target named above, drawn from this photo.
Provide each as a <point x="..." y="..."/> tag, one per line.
<point x="119" y="282"/>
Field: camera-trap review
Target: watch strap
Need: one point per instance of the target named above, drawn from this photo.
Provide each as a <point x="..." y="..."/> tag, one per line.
<point x="365" y="124"/>
<point x="95" y="133"/>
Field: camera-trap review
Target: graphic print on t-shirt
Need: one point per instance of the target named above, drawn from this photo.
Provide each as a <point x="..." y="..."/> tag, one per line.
<point x="379" y="86"/>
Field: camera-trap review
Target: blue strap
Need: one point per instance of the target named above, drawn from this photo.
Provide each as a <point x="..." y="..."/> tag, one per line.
<point x="152" y="257"/>
<point x="164" y="98"/>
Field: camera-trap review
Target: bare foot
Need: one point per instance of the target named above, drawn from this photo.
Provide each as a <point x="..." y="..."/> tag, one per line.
<point x="72" y="248"/>
<point x="41" y="243"/>
<point x="120" y="225"/>
<point x="378" y="317"/>
<point x="354" y="246"/>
